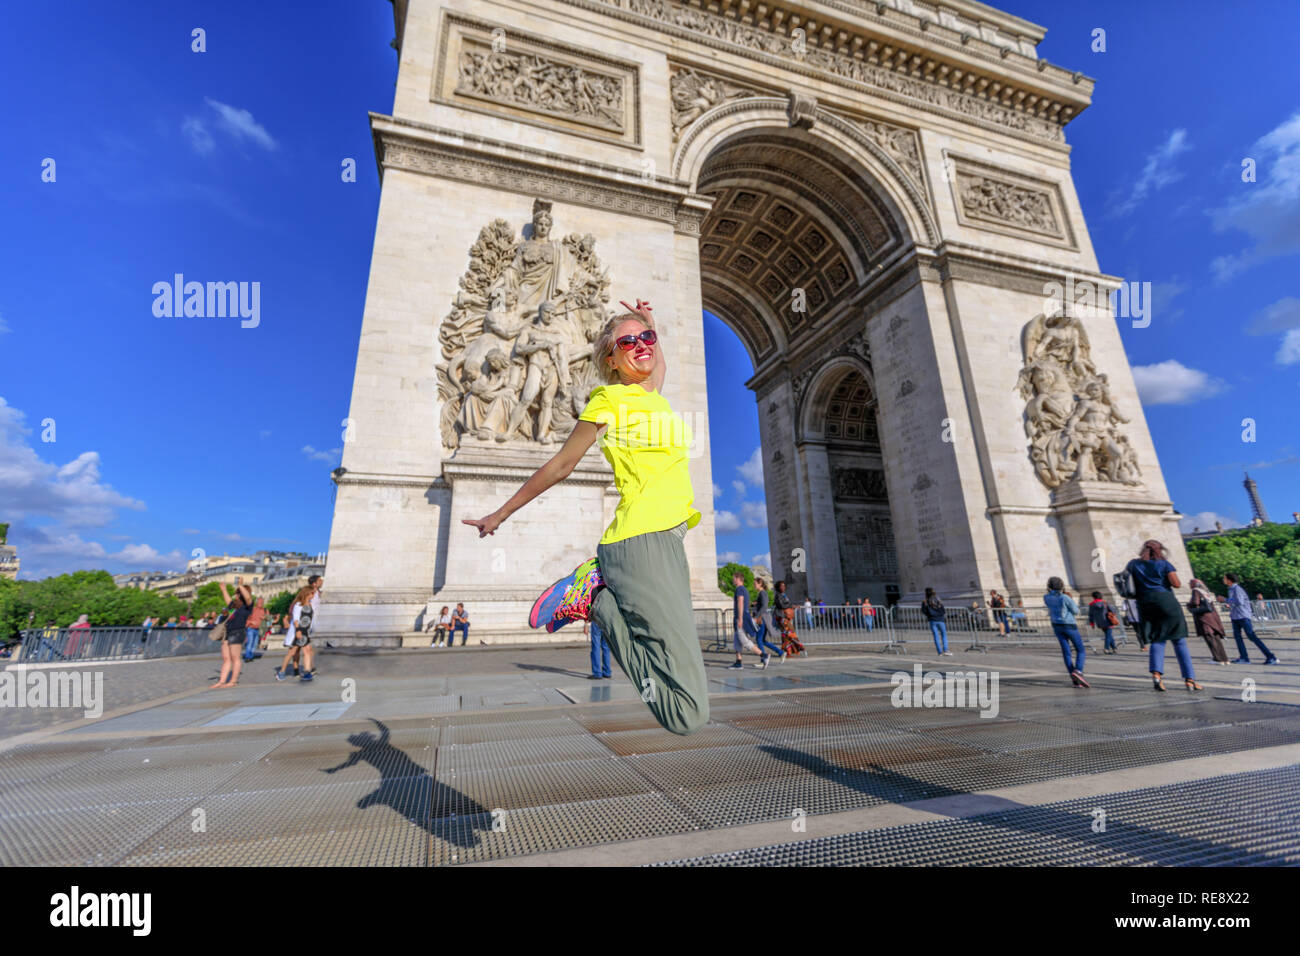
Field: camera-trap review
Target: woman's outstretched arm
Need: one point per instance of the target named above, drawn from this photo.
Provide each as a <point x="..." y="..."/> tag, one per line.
<point x="551" y="473"/>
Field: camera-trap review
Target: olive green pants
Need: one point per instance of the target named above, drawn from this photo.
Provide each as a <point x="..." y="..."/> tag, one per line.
<point x="646" y="615"/>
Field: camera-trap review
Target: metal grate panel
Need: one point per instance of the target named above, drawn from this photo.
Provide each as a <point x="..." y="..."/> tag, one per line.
<point x="1255" y="821"/>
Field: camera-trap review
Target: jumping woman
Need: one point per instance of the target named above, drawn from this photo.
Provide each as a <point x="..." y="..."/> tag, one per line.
<point x="638" y="586"/>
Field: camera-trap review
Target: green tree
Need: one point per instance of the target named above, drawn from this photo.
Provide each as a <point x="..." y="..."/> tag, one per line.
<point x="725" y="574"/>
<point x="64" y="598"/>
<point x="4" y="531"/>
<point x="280" y="604"/>
<point x="1266" y="558"/>
<point x="207" y="597"/>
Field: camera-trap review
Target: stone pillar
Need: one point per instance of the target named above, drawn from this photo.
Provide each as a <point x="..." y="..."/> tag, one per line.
<point x="1102" y="526"/>
<point x="817" y="507"/>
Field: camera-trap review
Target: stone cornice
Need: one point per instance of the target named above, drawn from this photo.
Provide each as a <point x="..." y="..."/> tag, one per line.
<point x="1014" y="94"/>
<point x="961" y="261"/>
<point x="451" y="154"/>
<point x="477" y="471"/>
<point x="410" y="481"/>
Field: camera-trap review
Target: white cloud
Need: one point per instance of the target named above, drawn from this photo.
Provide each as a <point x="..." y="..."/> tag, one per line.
<point x="1172" y="383"/>
<point x="150" y="558"/>
<point x="3" y="326"/>
<point x="236" y="122"/>
<point x="1268" y="210"/>
<point x="196" y="131"/>
<point x="1289" y="352"/>
<point x="717" y="491"/>
<point x="1157" y="173"/>
<point x="1205" y="520"/>
<point x="754" y="513"/>
<point x="1280" y="316"/>
<point x="241" y="125"/>
<point x="70" y="494"/>
<point x="264" y="433"/>
<point x="47" y="551"/>
<point x="726" y="557"/>
<point x="330" y="456"/>
<point x="724" y="522"/>
<point x="739" y="487"/>
<point x="763" y="560"/>
<point x="752" y="470"/>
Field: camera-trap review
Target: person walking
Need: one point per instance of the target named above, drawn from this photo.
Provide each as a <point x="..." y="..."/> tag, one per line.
<point x="936" y="614"/>
<point x="808" y="613"/>
<point x="1154" y="579"/>
<point x="239" y="606"/>
<point x="441" y="626"/>
<point x="1063" y="610"/>
<point x="785" y="622"/>
<point x="302" y="616"/>
<point x="1242" y="616"/>
<point x="1105" y="618"/>
<point x="763" y="621"/>
<point x="638" y="586"/>
<point x="743" y="632"/>
<point x="999" y="605"/>
<point x="868" y="614"/>
<point x="1205" y="617"/>
<point x="254" y="629"/>
<point x="459" y="622"/>
<point x="599" y="652"/>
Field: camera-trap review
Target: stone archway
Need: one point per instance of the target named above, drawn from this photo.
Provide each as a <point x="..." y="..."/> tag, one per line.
<point x="799" y="229"/>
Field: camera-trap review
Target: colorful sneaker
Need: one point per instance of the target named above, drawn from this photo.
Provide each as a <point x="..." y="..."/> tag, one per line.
<point x="568" y="599"/>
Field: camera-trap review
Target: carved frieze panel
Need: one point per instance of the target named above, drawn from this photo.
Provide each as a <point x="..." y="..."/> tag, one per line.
<point x="487" y="68"/>
<point x="903" y="146"/>
<point x="860" y="484"/>
<point x="999" y="200"/>
<point x="695" y="92"/>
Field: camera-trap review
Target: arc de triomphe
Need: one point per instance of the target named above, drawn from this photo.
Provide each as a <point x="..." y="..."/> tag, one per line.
<point x="876" y="197"/>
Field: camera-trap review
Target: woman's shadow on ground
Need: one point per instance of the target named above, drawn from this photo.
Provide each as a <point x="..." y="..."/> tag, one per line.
<point x="409" y="790"/>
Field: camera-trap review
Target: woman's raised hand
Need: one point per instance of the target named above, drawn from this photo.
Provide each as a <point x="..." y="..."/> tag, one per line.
<point x="642" y="309"/>
<point x="486" y="526"/>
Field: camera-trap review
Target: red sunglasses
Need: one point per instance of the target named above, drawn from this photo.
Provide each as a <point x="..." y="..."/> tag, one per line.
<point x="628" y="342"/>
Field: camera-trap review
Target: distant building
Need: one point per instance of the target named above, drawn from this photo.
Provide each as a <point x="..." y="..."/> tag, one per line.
<point x="8" y="561"/>
<point x="229" y="569"/>
<point x="286" y="579"/>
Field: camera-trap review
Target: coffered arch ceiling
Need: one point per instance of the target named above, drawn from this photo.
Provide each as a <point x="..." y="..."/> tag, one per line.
<point x="788" y="214"/>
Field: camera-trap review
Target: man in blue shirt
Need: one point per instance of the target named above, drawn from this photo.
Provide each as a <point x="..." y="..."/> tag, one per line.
<point x="1241" y="614"/>
<point x="742" y="638"/>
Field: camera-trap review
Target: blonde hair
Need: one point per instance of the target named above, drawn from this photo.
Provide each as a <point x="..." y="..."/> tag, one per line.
<point x="605" y="345"/>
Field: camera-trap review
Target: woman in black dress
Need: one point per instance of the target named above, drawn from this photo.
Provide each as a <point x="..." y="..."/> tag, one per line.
<point x="1154" y="579"/>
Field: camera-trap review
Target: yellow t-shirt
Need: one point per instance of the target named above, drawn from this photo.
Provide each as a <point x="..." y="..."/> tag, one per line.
<point x="646" y="444"/>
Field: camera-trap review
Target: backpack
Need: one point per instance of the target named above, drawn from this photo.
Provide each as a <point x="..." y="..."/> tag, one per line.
<point x="1123" y="582"/>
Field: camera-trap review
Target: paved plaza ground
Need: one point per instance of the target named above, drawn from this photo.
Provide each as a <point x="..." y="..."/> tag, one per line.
<point x="491" y="756"/>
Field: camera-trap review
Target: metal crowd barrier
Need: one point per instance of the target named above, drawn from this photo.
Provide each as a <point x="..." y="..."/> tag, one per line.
<point x="82" y="644"/>
<point x="825" y="626"/>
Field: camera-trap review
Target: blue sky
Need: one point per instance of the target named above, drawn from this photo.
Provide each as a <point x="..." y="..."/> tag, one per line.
<point x="172" y="434"/>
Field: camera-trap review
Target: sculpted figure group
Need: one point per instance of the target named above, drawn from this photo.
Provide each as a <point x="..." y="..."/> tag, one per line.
<point x="1070" y="420"/>
<point x="518" y="339"/>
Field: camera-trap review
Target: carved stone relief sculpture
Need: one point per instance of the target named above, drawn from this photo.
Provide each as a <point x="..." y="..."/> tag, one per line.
<point x="518" y="340"/>
<point x="1070" y="420"/>
<point x="534" y="82"/>
<point x="695" y="93"/>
